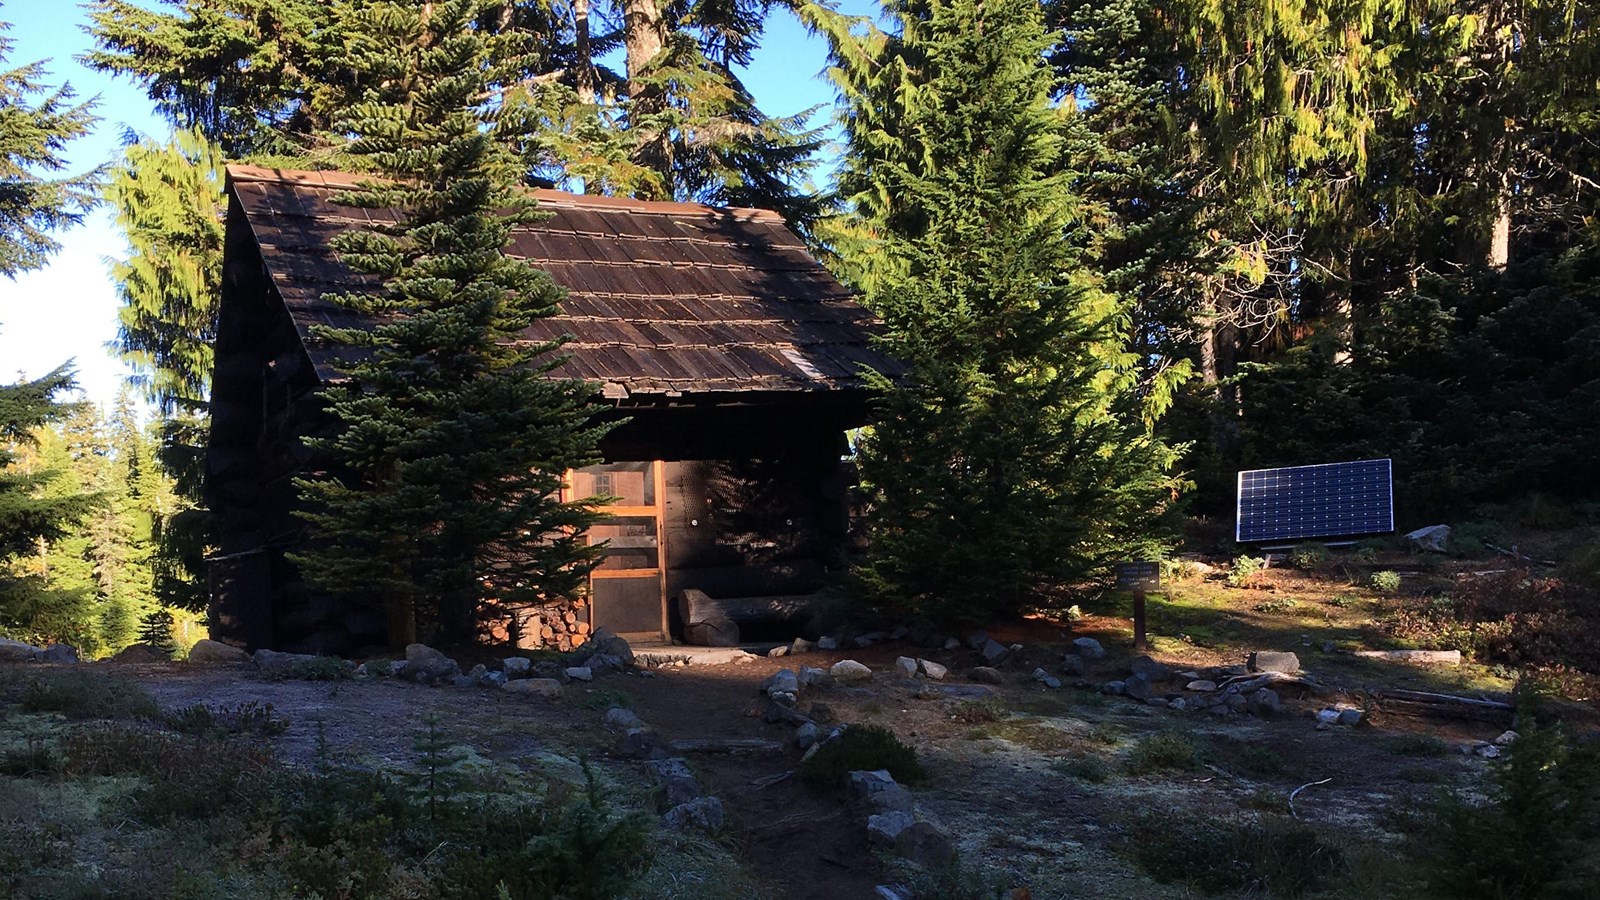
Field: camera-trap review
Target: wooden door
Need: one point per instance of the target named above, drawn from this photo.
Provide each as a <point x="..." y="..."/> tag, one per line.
<point x="628" y="590"/>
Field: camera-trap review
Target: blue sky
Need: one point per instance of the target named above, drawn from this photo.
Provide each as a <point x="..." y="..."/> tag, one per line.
<point x="68" y="310"/>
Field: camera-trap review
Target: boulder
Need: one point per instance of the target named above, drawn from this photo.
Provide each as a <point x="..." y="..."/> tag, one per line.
<point x="1114" y="688"/>
<point x="476" y="673"/>
<point x="1327" y="717"/>
<point x="215" y="653"/>
<point x="952" y="644"/>
<point x="848" y="670"/>
<point x="271" y="662"/>
<point x="1273" y="661"/>
<point x="986" y="675"/>
<point x="780" y="710"/>
<point x="675" y="782"/>
<point x="1265" y="703"/>
<point x="1144" y="665"/>
<point x="927" y="846"/>
<point x="1432" y="539"/>
<point x="878" y="790"/>
<point x="703" y="815"/>
<point x="548" y="668"/>
<point x="619" y="717"/>
<point x="1046" y="679"/>
<point x="463" y="680"/>
<point x="827" y="642"/>
<point x="1071" y="664"/>
<point x="1350" y="717"/>
<point x="906" y="666"/>
<point x="813" y="677"/>
<point x="59" y="653"/>
<point x="1506" y="739"/>
<point x="805" y="735"/>
<point x="783" y="681"/>
<point x="1138" y="687"/>
<point x="641" y="743"/>
<point x="493" y="679"/>
<point x="534" y="687"/>
<point x="605" y="643"/>
<point x="17" y="651"/>
<point x="993" y="652"/>
<point x="580" y="673"/>
<point x="1201" y="685"/>
<point x="516" y="666"/>
<point x="144" y="653"/>
<point x="884" y="828"/>
<point x="1088" y="648"/>
<point x="932" y="669"/>
<point x="778" y="651"/>
<point x="801" y="645"/>
<point x="425" y="665"/>
<point x="977" y="639"/>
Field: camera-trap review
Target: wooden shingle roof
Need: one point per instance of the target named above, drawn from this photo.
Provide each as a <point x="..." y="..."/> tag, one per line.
<point x="665" y="299"/>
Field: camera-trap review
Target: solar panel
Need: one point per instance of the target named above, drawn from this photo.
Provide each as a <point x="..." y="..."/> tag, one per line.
<point x="1330" y="500"/>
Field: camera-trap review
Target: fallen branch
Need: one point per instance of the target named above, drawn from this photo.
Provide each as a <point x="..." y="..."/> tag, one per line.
<point x="770" y="780"/>
<point x="1253" y="681"/>
<point x="727" y="745"/>
<point x="1296" y="792"/>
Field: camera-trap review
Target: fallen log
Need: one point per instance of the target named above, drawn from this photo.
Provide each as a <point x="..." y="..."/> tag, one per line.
<point x="726" y="745"/>
<point x="1430" y="705"/>
<point x="1415" y="657"/>
<point x="697" y="606"/>
<point x="1255" y="681"/>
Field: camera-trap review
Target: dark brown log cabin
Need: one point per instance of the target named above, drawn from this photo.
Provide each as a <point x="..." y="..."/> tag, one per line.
<point x="734" y="357"/>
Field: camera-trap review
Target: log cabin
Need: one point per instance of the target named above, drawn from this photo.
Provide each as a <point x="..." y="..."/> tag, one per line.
<point x="731" y="360"/>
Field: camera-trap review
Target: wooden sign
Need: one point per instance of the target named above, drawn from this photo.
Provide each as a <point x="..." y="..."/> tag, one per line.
<point x="1138" y="576"/>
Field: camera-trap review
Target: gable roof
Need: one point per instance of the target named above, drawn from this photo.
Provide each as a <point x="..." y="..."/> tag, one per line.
<point x="665" y="299"/>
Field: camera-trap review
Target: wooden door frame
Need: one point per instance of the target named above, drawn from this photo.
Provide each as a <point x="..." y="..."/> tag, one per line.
<point x="658" y="512"/>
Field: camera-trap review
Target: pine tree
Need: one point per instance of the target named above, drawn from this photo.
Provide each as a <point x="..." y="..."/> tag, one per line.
<point x="1016" y="454"/>
<point x="441" y="486"/>
<point x="155" y="630"/>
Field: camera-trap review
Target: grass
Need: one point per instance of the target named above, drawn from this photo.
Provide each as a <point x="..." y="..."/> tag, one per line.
<point x="606" y="698"/>
<point x="1417" y="744"/>
<point x="1270" y="855"/>
<point x="1086" y="767"/>
<point x="79" y="695"/>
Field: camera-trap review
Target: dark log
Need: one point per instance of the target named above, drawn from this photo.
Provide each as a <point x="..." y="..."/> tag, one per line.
<point x="1454" y="711"/>
<point x="728" y="745"/>
<point x="696" y="606"/>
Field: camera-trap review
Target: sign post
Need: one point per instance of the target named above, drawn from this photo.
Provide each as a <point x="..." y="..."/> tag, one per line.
<point x="1138" y="577"/>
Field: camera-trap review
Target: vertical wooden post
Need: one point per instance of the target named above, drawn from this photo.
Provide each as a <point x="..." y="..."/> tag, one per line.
<point x="660" y="468"/>
<point x="1139" y="643"/>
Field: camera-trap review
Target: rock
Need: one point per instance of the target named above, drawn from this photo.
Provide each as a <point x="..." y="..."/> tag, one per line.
<point x="781" y="650"/>
<point x="1487" y="751"/>
<point x="932" y="669"/>
<point x="870" y="638"/>
<point x="848" y="670"/>
<point x="878" y="790"/>
<point x="1156" y="701"/>
<point x="425" y="664"/>
<point x="703" y="815"/>
<point x="1237" y="702"/>
<point x="926" y="846"/>
<point x="977" y="639"/>
<point x="477" y="672"/>
<point x="811" y="676"/>
<point x="906" y="666"/>
<point x="717" y="632"/>
<point x="993" y="652"/>
<point x="1144" y="665"/>
<point x="986" y="675"/>
<point x="516" y="666"/>
<point x="493" y="679"/>
<point x="17" y="651"/>
<point x="1506" y="739"/>
<point x="1046" y="679"/>
<point x="534" y="687"/>
<point x="828" y="643"/>
<point x="805" y="735"/>
<point x="1088" y="648"/>
<point x="899" y="633"/>
<point x="1350" y="717"/>
<point x="604" y="642"/>
<point x="1072" y="664"/>
<point x="1138" y="687"/>
<point x="59" y="653"/>
<point x="548" y="669"/>
<point x="1201" y="685"/>
<point x="1273" y="661"/>
<point x="783" y="681"/>
<point x="1115" y="688"/>
<point x="801" y="645"/>
<point x="641" y="743"/>
<point x="891" y="892"/>
<point x="140" y="654"/>
<point x="821" y="712"/>
<point x="965" y="691"/>
<point x="207" y="652"/>
<point x="1178" y="703"/>
<point x="1432" y="539"/>
<point x="580" y="673"/>
<point x="952" y="644"/>
<point x="780" y="709"/>
<point x="884" y="828"/>
<point x="675" y="782"/>
<point x="1265" y="703"/>
<point x="270" y="662"/>
<point x="1327" y="717"/>
<point x="619" y="717"/>
<point x="463" y="681"/>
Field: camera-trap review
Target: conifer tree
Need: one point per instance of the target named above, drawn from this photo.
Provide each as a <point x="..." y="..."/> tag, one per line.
<point x="441" y="486"/>
<point x="1016" y="453"/>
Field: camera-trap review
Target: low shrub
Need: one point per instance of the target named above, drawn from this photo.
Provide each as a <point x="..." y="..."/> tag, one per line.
<point x="36" y="759"/>
<point x="1245" y="569"/>
<point x="250" y="717"/>
<point x="1164" y="752"/>
<point x="606" y="698"/>
<point x="979" y="712"/>
<point x="861" y="748"/>
<point x="1090" y="768"/>
<point x="1265" y="854"/>
<point x="79" y="695"/>
<point x="1386" y="581"/>
<point x="1512" y="619"/>
<point x="1309" y="556"/>
<point x="1277" y="605"/>
<point x="1417" y="744"/>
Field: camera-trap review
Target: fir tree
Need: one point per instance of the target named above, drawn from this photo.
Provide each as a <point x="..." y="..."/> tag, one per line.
<point x="1016" y="453"/>
<point x="442" y="481"/>
<point x="155" y="630"/>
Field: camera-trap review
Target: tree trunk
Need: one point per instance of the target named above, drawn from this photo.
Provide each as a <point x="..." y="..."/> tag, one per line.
<point x="402" y="620"/>
<point x="1500" y="233"/>
<point x="585" y="73"/>
<point x="644" y="36"/>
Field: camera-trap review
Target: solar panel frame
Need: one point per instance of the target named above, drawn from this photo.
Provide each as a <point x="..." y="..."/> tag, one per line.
<point x="1326" y="500"/>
